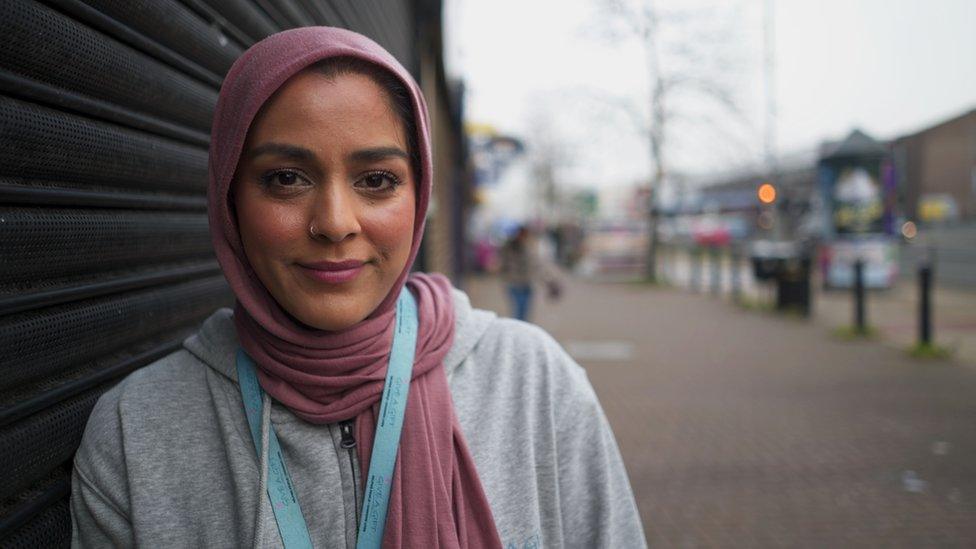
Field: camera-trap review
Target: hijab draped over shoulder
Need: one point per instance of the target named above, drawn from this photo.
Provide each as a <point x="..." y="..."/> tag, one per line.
<point x="437" y="499"/>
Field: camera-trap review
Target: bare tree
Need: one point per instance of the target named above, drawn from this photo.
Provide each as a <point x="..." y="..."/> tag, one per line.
<point x="551" y="153"/>
<point x="689" y="63"/>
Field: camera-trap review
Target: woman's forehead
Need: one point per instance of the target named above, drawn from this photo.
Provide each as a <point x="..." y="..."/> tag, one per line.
<point x="348" y="108"/>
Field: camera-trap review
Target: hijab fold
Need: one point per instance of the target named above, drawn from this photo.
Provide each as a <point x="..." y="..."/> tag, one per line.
<point x="323" y="377"/>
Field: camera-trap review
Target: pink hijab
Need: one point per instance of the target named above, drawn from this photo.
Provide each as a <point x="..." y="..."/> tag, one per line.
<point x="323" y="377"/>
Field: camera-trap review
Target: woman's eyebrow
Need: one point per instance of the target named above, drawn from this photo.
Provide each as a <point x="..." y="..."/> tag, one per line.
<point x="375" y="154"/>
<point x="282" y="149"/>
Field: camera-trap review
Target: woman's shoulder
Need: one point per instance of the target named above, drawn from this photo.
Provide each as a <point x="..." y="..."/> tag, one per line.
<point x="529" y="352"/>
<point x="174" y="372"/>
<point x="144" y="405"/>
<point x="523" y="341"/>
<point x="511" y="359"/>
<point x="167" y="384"/>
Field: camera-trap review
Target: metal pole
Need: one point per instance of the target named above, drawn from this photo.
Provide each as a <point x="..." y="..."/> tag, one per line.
<point x="925" y="304"/>
<point x="859" y="320"/>
<point x="769" y="122"/>
<point x="695" y="269"/>
<point x="805" y="273"/>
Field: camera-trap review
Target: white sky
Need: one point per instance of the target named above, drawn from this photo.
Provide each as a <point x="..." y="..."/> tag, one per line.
<point x="886" y="66"/>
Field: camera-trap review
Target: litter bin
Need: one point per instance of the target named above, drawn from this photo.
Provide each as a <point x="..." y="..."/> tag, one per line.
<point x="767" y="257"/>
<point x="786" y="263"/>
<point x="764" y="268"/>
<point x="793" y="284"/>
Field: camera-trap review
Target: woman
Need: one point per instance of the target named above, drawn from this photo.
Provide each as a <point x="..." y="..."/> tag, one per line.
<point x="260" y="431"/>
<point x="517" y="272"/>
<point x="521" y="266"/>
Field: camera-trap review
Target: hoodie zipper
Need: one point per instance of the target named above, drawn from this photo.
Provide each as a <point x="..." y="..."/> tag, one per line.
<point x="348" y="442"/>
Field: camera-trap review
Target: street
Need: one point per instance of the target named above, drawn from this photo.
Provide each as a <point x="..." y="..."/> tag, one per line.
<point x="747" y="429"/>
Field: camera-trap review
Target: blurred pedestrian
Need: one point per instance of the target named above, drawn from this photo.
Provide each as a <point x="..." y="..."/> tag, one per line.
<point x="522" y="268"/>
<point x="261" y="430"/>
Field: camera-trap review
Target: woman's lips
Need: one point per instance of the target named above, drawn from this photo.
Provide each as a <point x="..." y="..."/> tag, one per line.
<point x="332" y="272"/>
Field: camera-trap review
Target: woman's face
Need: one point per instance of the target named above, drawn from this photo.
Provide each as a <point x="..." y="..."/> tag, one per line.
<point x="325" y="198"/>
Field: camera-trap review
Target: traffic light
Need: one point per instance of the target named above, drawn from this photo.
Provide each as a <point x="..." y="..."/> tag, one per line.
<point x="766" y="193"/>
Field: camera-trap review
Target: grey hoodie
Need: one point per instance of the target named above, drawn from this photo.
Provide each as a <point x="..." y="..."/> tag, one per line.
<point x="167" y="459"/>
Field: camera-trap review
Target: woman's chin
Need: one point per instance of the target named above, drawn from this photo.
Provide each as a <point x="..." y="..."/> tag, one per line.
<point x="332" y="309"/>
<point x="335" y="321"/>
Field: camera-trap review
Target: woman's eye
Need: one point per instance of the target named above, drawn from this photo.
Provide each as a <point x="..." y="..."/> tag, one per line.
<point x="281" y="178"/>
<point x="378" y="181"/>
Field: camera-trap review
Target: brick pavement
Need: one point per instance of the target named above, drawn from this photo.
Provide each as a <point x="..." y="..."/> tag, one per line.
<point x="743" y="429"/>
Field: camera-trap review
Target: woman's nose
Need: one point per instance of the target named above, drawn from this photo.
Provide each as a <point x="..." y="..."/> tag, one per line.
<point x="335" y="216"/>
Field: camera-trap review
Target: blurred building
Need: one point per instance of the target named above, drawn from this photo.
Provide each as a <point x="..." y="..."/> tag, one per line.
<point x="937" y="166"/>
<point x="105" y="256"/>
<point x="732" y="198"/>
<point x="934" y="176"/>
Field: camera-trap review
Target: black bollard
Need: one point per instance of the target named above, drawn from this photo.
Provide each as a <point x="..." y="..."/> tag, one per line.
<point x="860" y="324"/>
<point x="925" y="304"/>
<point x="696" y="257"/>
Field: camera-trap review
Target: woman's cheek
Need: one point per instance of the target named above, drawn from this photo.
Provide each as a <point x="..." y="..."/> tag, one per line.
<point x="392" y="227"/>
<point x="273" y="227"/>
<point x="287" y="224"/>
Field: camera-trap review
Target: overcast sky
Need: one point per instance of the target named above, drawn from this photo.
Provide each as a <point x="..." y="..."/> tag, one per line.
<point x="886" y="66"/>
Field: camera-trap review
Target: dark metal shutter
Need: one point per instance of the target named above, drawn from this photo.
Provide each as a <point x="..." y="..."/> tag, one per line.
<point x="105" y="257"/>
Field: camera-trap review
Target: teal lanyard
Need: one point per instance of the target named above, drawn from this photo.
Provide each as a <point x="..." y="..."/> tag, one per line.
<point x="281" y="491"/>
